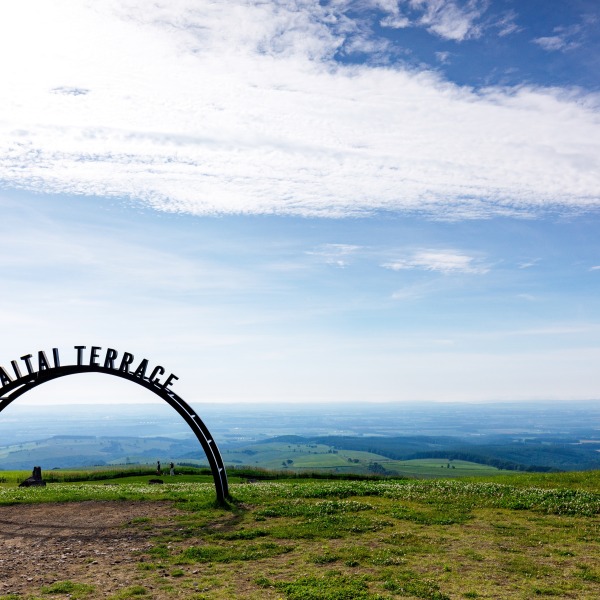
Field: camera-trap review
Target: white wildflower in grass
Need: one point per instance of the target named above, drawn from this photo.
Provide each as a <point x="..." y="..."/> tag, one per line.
<point x="331" y="497"/>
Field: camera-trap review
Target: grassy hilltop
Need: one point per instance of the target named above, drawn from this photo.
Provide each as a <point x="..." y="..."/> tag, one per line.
<point x="511" y="536"/>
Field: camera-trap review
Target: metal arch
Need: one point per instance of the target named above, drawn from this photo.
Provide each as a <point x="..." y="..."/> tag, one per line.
<point x="9" y="393"/>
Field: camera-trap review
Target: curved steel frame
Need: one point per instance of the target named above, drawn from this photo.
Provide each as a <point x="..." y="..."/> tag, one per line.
<point x="10" y="392"/>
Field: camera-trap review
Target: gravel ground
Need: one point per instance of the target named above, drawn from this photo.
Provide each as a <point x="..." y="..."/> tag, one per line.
<point x="86" y="542"/>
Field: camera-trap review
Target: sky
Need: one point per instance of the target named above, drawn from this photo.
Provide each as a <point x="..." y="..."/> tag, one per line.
<point x="374" y="201"/>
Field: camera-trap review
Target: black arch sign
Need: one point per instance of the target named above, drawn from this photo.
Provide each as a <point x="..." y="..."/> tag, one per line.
<point x="30" y="371"/>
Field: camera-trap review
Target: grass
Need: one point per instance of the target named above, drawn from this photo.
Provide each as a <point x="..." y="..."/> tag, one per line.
<point x="75" y="590"/>
<point x="135" y="591"/>
<point x="138" y="474"/>
<point x="330" y="586"/>
<point x="516" y="537"/>
<point x="318" y="461"/>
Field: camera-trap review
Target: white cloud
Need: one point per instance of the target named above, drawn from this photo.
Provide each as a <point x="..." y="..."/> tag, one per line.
<point x="563" y="40"/>
<point x="395" y="22"/>
<point x="449" y="20"/>
<point x="338" y="255"/>
<point x="453" y="20"/>
<point x="530" y="263"/>
<point x="554" y="42"/>
<point x="165" y="105"/>
<point x="506" y="24"/>
<point x="395" y="19"/>
<point x="442" y="261"/>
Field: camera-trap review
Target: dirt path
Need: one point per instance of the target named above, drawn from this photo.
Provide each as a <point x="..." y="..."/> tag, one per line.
<point x="87" y="542"/>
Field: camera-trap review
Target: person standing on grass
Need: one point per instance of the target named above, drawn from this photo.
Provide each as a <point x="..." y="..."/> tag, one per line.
<point x="158" y="471"/>
<point x="172" y="467"/>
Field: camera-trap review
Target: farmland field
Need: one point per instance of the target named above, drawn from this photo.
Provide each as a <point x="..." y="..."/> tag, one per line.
<point x="321" y="457"/>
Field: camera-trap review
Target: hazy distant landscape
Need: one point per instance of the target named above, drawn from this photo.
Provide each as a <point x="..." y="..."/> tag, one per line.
<point x="411" y="439"/>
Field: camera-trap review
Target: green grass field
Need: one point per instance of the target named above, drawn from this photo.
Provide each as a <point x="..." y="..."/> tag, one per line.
<point x="322" y="463"/>
<point x="510" y="536"/>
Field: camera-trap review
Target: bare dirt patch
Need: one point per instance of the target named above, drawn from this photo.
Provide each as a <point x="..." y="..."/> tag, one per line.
<point x="88" y="542"/>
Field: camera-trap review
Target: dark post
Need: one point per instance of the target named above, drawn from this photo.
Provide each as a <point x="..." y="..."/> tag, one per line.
<point x="35" y="479"/>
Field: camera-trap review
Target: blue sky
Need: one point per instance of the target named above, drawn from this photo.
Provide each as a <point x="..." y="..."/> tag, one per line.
<point x="306" y="202"/>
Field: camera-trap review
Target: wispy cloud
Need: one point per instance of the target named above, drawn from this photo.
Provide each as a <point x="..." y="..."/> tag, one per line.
<point x="338" y="255"/>
<point x="529" y="263"/>
<point x="395" y="21"/>
<point x="415" y="291"/>
<point x="562" y="40"/>
<point x="452" y="20"/>
<point x="506" y="24"/>
<point x="449" y="19"/>
<point x="443" y="57"/>
<point x="528" y="297"/>
<point x="162" y="104"/>
<point x="442" y="261"/>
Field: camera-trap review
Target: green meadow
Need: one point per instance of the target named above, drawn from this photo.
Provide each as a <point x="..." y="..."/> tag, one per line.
<point x="510" y="536"/>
